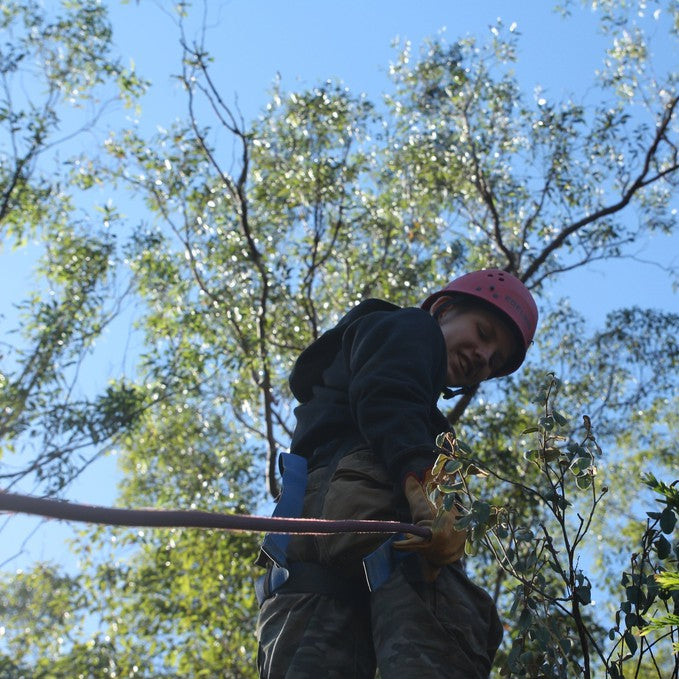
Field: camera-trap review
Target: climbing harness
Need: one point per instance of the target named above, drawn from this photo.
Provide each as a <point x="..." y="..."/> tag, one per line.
<point x="311" y="577"/>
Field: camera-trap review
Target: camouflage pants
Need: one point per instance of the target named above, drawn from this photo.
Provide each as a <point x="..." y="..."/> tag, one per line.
<point x="409" y="629"/>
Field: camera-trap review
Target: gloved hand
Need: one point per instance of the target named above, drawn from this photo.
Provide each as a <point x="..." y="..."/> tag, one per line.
<point x="446" y="544"/>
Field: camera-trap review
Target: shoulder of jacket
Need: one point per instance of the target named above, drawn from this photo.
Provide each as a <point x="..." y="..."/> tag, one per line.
<point x="368" y="306"/>
<point x="385" y="320"/>
<point x="392" y="312"/>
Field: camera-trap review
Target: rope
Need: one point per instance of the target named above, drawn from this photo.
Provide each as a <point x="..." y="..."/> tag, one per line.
<point x="172" y="518"/>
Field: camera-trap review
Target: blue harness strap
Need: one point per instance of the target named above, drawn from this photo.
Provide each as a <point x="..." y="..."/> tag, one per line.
<point x="378" y="565"/>
<point x="381" y="563"/>
<point x="293" y="470"/>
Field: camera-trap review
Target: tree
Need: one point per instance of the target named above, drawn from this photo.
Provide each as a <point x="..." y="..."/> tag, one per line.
<point x="68" y="57"/>
<point x="240" y="263"/>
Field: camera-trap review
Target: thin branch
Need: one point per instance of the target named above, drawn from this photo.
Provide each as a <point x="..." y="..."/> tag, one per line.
<point x="484" y="188"/>
<point x="641" y="181"/>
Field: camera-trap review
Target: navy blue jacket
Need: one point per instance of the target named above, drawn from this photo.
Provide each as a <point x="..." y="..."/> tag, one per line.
<point x="374" y="379"/>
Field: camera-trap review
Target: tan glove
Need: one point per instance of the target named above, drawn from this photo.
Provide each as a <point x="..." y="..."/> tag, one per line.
<point x="446" y="544"/>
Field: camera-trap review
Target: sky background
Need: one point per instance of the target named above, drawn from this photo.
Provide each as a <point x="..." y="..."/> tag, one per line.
<point x="305" y="42"/>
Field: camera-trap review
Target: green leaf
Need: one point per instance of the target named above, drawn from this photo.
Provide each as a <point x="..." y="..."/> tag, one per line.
<point x="450" y="488"/>
<point x="473" y="470"/>
<point x="525" y="619"/>
<point x="524" y="535"/>
<point x="481" y="511"/>
<point x="584" y="594"/>
<point x="464" y="522"/>
<point x="583" y="482"/>
<point x="551" y="454"/>
<point x="663" y="547"/>
<point x="667" y="521"/>
<point x="441" y="461"/>
<point x="580" y="464"/>
<point x="668" y="580"/>
<point x="541" y="634"/>
<point x="547" y="422"/>
<point x="441" y="439"/>
<point x="464" y="447"/>
<point x="452" y="466"/>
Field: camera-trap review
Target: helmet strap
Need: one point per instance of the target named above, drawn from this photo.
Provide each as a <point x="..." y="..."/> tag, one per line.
<point x="452" y="393"/>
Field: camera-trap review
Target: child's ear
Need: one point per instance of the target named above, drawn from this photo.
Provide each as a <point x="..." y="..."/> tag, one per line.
<point x="436" y="305"/>
<point x="440" y="306"/>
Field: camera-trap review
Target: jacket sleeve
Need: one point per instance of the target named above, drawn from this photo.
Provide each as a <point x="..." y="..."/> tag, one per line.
<point x="397" y="366"/>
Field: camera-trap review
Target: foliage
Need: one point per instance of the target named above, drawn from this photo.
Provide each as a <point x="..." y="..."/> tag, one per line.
<point x="184" y="596"/>
<point x="664" y="523"/>
<point x="38" y="604"/>
<point x="554" y="634"/>
<point x="68" y="57"/>
<point x="254" y="238"/>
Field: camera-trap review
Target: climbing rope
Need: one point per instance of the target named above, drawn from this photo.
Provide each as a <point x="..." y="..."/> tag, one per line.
<point x="172" y="518"/>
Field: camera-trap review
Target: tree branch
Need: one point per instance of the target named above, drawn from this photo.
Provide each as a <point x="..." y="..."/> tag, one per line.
<point x="641" y="181"/>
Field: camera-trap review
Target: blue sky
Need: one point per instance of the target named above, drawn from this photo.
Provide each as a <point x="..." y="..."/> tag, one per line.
<point x="308" y="41"/>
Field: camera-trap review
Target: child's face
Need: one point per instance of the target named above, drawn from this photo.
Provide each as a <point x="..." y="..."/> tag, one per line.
<point x="478" y="344"/>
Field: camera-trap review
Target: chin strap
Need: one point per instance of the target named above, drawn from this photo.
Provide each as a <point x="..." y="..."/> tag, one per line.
<point x="452" y="393"/>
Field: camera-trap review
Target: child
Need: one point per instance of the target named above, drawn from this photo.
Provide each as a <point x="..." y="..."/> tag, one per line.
<point x="366" y="426"/>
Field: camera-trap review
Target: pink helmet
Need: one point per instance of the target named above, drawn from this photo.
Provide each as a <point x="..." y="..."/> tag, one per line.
<point x="507" y="294"/>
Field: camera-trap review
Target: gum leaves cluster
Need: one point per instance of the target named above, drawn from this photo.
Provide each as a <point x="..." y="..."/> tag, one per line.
<point x="556" y="628"/>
